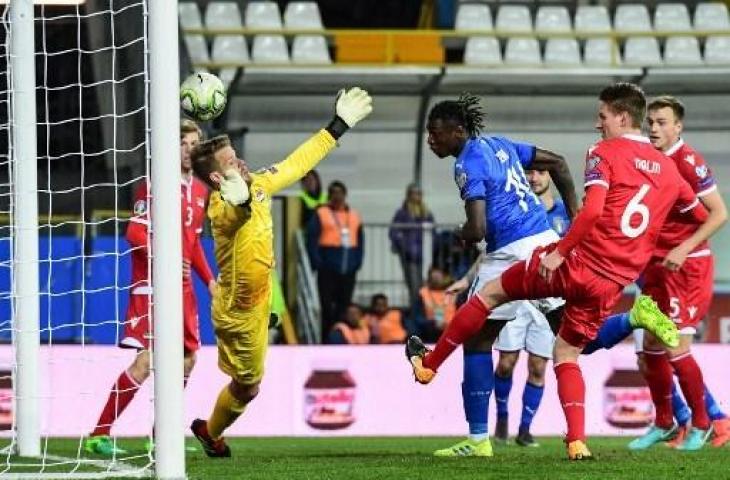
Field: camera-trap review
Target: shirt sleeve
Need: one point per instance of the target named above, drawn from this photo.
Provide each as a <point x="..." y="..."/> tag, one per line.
<point x="224" y="217"/>
<point x="525" y="152"/>
<point x="200" y="262"/>
<point x="697" y="173"/>
<point x="139" y="221"/>
<point x="598" y="170"/>
<point x="300" y="161"/>
<point x="470" y="178"/>
<point x="687" y="199"/>
<point x="585" y="220"/>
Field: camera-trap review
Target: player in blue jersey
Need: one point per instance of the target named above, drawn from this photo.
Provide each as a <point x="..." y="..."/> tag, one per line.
<point x="501" y="209"/>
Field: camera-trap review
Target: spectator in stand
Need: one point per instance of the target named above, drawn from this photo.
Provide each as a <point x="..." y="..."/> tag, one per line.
<point x="386" y="324"/>
<point x="311" y="195"/>
<point x="435" y="308"/>
<point x="335" y="245"/>
<point x="352" y="330"/>
<point x="406" y="238"/>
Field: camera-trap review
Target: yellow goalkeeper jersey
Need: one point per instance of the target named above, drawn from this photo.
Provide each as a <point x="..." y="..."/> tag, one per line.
<point x="244" y="236"/>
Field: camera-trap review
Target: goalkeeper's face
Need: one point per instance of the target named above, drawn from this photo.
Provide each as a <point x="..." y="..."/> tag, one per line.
<point x="228" y="160"/>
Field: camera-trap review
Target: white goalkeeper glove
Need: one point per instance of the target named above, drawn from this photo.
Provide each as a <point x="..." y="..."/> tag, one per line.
<point x="234" y="189"/>
<point x="353" y="105"/>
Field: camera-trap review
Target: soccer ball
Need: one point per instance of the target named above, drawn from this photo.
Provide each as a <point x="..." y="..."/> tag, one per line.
<point x="202" y="96"/>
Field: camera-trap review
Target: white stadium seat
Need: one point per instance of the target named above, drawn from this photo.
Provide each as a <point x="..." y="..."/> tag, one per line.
<point x="642" y="51"/>
<point x="711" y="16"/>
<point x="672" y="17"/>
<point x="269" y="49"/>
<point x="190" y="18"/>
<point x="302" y="16"/>
<point x="562" y="52"/>
<point x="554" y="19"/>
<point x="482" y="51"/>
<point x="473" y="16"/>
<point x="598" y="52"/>
<point x="311" y="49"/>
<point x="229" y="48"/>
<point x="632" y="18"/>
<point x="514" y="18"/>
<point x="682" y="50"/>
<point x="222" y="15"/>
<point x="717" y="50"/>
<point x="522" y="51"/>
<point x="592" y="18"/>
<point x="263" y="14"/>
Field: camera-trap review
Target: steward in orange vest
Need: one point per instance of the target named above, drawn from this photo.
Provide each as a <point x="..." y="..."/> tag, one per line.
<point x="353" y="330"/>
<point x="386" y="325"/>
<point x="435" y="309"/>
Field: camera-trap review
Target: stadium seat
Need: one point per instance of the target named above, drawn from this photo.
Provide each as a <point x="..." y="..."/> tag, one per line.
<point x="418" y="49"/>
<point x="482" y="51"/>
<point x="522" y="51"/>
<point x="361" y="48"/>
<point x="592" y="18"/>
<point x="672" y="17"/>
<point x="514" y="18"/>
<point x="302" y="16"/>
<point x="642" y="51"/>
<point x="553" y="19"/>
<point x="310" y="49"/>
<point x="711" y="16"/>
<point x="717" y="50"/>
<point x="196" y="46"/>
<point x="229" y="49"/>
<point x="682" y="50"/>
<point x="222" y="15"/>
<point x="598" y="52"/>
<point x="632" y="18"/>
<point x="269" y="49"/>
<point x="473" y="16"/>
<point x="562" y="52"/>
<point x="263" y="14"/>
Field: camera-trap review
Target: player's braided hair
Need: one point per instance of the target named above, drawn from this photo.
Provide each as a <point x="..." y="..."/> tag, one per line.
<point x="466" y="111"/>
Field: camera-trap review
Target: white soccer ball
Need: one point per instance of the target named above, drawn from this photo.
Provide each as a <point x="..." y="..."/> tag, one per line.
<point x="202" y="96"/>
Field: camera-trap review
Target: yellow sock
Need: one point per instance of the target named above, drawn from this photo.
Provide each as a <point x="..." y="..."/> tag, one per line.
<point x="227" y="409"/>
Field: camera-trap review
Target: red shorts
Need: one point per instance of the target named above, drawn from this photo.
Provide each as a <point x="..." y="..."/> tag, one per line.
<point x="589" y="297"/>
<point x="138" y="327"/>
<point x="685" y="295"/>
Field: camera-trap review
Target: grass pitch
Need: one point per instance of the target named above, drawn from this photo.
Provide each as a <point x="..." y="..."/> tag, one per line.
<point x="410" y="458"/>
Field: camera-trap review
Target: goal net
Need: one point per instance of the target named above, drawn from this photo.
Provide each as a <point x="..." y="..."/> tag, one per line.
<point x="92" y="126"/>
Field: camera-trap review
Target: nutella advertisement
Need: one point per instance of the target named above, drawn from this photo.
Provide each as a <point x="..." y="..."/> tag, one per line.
<point x="342" y="391"/>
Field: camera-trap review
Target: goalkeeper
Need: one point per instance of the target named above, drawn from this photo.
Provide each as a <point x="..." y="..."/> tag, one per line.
<point x="240" y="214"/>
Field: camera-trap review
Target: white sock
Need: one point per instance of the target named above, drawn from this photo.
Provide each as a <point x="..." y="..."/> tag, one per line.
<point x="478" y="437"/>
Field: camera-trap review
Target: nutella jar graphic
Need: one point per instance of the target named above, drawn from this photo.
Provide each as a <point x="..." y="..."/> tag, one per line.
<point x="6" y="400"/>
<point x="627" y="400"/>
<point x="329" y="397"/>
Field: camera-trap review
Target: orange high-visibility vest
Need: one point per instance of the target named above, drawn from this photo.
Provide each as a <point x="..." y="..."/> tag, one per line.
<point x="354" y="336"/>
<point x="436" y="302"/>
<point x="388" y="328"/>
<point x="337" y="223"/>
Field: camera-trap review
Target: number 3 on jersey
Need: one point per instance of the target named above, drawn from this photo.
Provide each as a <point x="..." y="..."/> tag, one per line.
<point x="188" y="216"/>
<point x="635" y="207"/>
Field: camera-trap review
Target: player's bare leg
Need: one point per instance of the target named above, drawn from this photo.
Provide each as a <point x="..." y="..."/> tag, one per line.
<point x="572" y="392"/>
<point x="122" y="393"/>
<point x="536" y="366"/>
<point x="502" y="387"/>
<point x="231" y="403"/>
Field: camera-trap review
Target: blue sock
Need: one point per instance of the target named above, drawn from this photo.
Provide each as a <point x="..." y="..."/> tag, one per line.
<point x="476" y="390"/>
<point x="502" y="387"/>
<point x="713" y="409"/>
<point x="681" y="411"/>
<point x="531" y="398"/>
<point x="613" y="331"/>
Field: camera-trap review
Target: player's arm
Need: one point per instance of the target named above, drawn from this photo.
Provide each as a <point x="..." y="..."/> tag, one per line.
<point x="200" y="264"/>
<point x="351" y="106"/>
<point x="560" y="175"/>
<point x="463" y="283"/>
<point x="475" y="228"/>
<point x="225" y="216"/>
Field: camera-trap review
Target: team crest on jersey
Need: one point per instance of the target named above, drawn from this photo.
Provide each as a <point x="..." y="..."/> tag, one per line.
<point x="272" y="169"/>
<point x="461" y="179"/>
<point x="592" y="163"/>
<point x="690" y="159"/>
<point x="259" y="195"/>
<point x="701" y="171"/>
<point x="501" y="155"/>
<point x="140" y="207"/>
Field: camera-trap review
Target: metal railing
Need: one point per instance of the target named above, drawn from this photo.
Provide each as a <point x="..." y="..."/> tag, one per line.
<point x="309" y="320"/>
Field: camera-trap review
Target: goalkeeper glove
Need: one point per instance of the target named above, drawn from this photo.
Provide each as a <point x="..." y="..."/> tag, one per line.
<point x="351" y="106"/>
<point x="234" y="189"/>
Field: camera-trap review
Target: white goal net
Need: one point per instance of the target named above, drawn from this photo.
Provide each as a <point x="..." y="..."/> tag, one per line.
<point x="92" y="87"/>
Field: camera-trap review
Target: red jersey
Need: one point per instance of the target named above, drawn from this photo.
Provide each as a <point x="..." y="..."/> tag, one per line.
<point x="193" y="196"/>
<point x="643" y="186"/>
<point x="678" y="227"/>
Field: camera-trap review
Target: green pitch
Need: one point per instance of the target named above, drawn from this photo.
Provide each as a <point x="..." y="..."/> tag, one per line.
<point x="409" y="458"/>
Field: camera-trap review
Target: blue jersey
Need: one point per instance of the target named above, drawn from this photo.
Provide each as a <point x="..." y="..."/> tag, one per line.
<point x="558" y="218"/>
<point x="492" y="169"/>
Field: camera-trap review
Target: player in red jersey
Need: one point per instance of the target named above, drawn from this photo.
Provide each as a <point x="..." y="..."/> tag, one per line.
<point x="680" y="279"/>
<point x="630" y="189"/>
<point x="138" y="325"/>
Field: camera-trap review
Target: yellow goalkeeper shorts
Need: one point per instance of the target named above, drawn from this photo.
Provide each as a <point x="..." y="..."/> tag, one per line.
<point x="242" y="343"/>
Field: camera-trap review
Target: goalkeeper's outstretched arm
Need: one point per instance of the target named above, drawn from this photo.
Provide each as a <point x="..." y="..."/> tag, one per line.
<point x="351" y="107"/>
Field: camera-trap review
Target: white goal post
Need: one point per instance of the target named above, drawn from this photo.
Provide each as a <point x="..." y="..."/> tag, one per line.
<point x="160" y="151"/>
